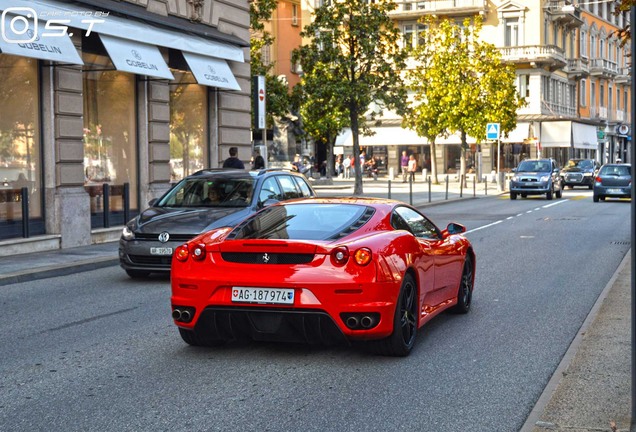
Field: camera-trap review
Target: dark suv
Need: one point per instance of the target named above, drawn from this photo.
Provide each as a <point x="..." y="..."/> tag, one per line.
<point x="203" y="201"/>
<point x="536" y="177"/>
<point x="579" y="172"/>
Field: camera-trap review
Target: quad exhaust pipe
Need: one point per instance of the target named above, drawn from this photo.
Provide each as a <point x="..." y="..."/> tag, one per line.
<point x="361" y="321"/>
<point x="183" y="314"/>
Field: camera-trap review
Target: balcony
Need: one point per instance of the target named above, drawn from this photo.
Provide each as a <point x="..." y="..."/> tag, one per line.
<point x="412" y="9"/>
<point x="537" y="55"/>
<point x="555" y="11"/>
<point x="556" y="109"/>
<point x="598" y="113"/>
<point x="624" y="75"/>
<point x="577" y="68"/>
<point x="603" y="68"/>
<point x="617" y="116"/>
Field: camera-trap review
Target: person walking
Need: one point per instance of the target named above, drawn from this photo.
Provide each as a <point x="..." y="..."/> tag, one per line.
<point x="412" y="167"/>
<point x="404" y="165"/>
<point x="233" y="161"/>
<point x="346" y="166"/>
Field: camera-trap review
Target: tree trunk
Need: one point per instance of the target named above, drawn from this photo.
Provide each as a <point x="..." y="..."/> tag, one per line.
<point x="357" y="188"/>
<point x="433" y="162"/>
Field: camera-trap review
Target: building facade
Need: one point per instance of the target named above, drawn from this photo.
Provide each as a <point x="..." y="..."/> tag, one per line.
<point x="571" y="70"/>
<point x="106" y="104"/>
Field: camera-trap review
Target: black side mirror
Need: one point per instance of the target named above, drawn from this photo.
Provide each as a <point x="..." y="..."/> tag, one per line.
<point x="152" y="202"/>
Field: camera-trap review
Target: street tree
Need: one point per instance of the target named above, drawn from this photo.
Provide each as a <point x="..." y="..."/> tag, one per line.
<point x="460" y="85"/>
<point x="353" y="52"/>
<point x="278" y="96"/>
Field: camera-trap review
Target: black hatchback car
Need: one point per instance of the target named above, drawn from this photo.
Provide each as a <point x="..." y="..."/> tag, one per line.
<point x="579" y="172"/>
<point x="203" y="201"/>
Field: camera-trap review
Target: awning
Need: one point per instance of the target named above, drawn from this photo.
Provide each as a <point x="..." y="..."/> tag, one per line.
<point x="584" y="136"/>
<point x="394" y="135"/>
<point x="211" y="72"/>
<point x="556" y="134"/>
<point x="100" y="22"/>
<point x="135" y="57"/>
<point x="30" y="39"/>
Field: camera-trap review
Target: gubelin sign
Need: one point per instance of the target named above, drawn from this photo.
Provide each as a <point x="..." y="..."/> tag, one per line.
<point x="138" y="63"/>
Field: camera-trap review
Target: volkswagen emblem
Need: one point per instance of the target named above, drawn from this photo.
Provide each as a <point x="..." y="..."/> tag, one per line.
<point x="164" y="237"/>
<point x="266" y="258"/>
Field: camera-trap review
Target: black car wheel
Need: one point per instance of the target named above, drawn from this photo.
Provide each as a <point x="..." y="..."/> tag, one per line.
<point x="513" y="195"/>
<point x="401" y="341"/>
<point x="465" y="291"/>
<point x="595" y="198"/>
<point x="548" y="194"/>
<point x="192" y="338"/>
<point x="138" y="274"/>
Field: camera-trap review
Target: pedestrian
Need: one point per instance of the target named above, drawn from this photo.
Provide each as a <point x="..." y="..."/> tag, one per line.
<point x="258" y="162"/>
<point x="404" y="165"/>
<point x="233" y="161"/>
<point x="346" y="167"/>
<point x="412" y="167"/>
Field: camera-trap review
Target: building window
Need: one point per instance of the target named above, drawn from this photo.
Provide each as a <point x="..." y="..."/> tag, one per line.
<point x="593" y="94"/>
<point x="511" y="38"/>
<point x="601" y="95"/>
<point x="294" y="17"/>
<point x="583" y="44"/>
<point x="413" y="35"/>
<point x="188" y="126"/>
<point x="20" y="156"/>
<point x="583" y="92"/>
<point x="523" y="85"/>
<point x="110" y="137"/>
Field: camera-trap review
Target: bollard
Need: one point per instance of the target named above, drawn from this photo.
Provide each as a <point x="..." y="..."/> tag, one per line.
<point x="461" y="185"/>
<point x="428" y="179"/>
<point x="410" y="190"/>
<point x="106" y="198"/>
<point x="389" y="187"/>
<point x="25" y="212"/>
<point x="446" y="197"/>
<point x="474" y="186"/>
<point x="486" y="187"/>
<point x="126" y="202"/>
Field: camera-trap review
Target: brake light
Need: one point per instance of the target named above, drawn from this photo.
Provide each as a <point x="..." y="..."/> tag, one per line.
<point x="598" y="180"/>
<point x="198" y="252"/>
<point x="182" y="252"/>
<point x="340" y="255"/>
<point x="362" y="256"/>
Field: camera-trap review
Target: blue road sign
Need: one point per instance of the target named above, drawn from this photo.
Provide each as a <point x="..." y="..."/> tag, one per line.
<point x="492" y="131"/>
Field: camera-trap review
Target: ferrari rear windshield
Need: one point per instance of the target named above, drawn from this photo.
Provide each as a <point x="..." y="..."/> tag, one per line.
<point x="314" y="221"/>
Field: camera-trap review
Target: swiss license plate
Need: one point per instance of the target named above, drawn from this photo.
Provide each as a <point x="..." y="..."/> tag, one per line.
<point x="262" y="295"/>
<point x="160" y="251"/>
<point x="614" y="191"/>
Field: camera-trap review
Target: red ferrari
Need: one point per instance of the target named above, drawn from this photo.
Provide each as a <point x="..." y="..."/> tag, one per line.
<point x="322" y="270"/>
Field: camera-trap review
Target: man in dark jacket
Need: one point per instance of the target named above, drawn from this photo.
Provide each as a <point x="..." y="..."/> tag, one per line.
<point x="233" y="161"/>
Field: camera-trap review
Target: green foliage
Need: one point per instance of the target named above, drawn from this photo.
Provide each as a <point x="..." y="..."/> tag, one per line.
<point x="353" y="60"/>
<point x="461" y="84"/>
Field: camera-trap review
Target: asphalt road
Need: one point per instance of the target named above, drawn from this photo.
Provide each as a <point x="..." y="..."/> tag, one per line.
<point x="96" y="351"/>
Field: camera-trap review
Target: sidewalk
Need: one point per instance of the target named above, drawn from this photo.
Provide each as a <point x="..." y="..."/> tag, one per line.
<point x="590" y="390"/>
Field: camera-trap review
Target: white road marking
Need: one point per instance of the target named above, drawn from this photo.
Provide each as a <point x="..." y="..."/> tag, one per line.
<point x="518" y="215"/>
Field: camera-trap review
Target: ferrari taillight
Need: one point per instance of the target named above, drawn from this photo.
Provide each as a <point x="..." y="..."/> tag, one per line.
<point x="340" y="255"/>
<point x="198" y="252"/>
<point x="362" y="256"/>
<point x="182" y="252"/>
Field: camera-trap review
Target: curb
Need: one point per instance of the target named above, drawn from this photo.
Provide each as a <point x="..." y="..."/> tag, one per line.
<point x="57" y="270"/>
<point x="546" y="396"/>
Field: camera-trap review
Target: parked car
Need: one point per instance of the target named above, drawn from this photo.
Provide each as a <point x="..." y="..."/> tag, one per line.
<point x="322" y="270"/>
<point x="579" y="172"/>
<point x="613" y="181"/>
<point x="536" y="177"/>
<point x="203" y="201"/>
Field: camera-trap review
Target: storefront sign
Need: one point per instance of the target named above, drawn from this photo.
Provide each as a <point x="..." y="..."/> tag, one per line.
<point x="135" y="57"/>
<point x="21" y="36"/>
<point x="211" y="71"/>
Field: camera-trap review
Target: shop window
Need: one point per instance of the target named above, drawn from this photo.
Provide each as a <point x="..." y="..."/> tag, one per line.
<point x="110" y="140"/>
<point x="188" y="126"/>
<point x="20" y="154"/>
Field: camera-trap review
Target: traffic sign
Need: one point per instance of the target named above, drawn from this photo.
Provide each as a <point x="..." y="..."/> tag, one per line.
<point x="492" y="131"/>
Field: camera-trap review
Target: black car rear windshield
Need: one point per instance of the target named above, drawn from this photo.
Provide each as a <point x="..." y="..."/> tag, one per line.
<point x="304" y="222"/>
<point x="535" y="166"/>
<point x="210" y="192"/>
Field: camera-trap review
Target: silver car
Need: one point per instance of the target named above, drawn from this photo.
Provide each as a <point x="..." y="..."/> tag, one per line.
<point x="205" y="200"/>
<point x="613" y="181"/>
<point x="536" y="177"/>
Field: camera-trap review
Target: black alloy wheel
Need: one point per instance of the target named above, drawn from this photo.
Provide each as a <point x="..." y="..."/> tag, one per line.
<point x="465" y="291"/>
<point x="402" y="340"/>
